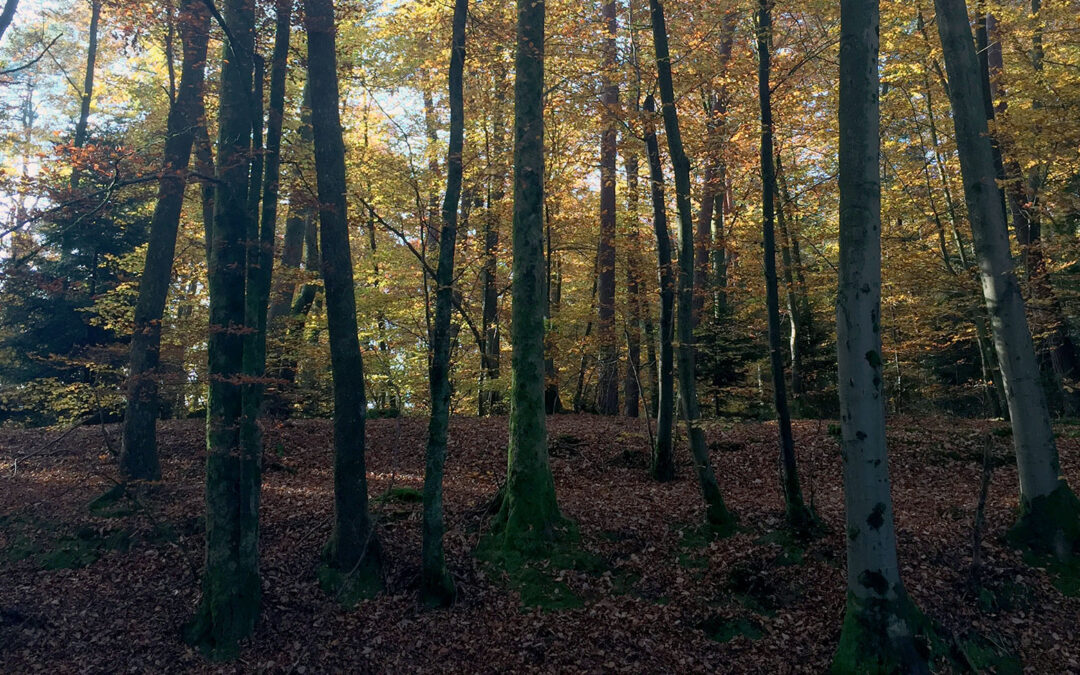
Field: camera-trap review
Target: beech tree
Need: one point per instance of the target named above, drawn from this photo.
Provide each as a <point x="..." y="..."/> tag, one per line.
<point x="436" y="585"/>
<point x="529" y="514"/>
<point x="663" y="459"/>
<point x="352" y="556"/>
<point x="138" y="456"/>
<point x="608" y="383"/>
<point x="799" y="515"/>
<point x="717" y="515"/>
<point x="231" y="590"/>
<point x="1049" y="520"/>
<point x="881" y="624"/>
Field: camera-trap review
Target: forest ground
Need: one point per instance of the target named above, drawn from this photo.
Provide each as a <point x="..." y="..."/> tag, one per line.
<point x="107" y="589"/>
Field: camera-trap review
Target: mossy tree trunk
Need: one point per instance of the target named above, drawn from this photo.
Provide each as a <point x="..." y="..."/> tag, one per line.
<point x="436" y="585"/>
<point x="529" y="511"/>
<point x="880" y="622"/>
<point x="353" y="549"/>
<point x="231" y="593"/>
<point x="608" y="381"/>
<point x="798" y="514"/>
<point x="1050" y="512"/>
<point x="139" y="456"/>
<point x="718" y="517"/>
<point x="663" y="459"/>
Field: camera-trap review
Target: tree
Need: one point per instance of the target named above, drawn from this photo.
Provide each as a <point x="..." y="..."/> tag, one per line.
<point x="1049" y="521"/>
<point x="799" y="516"/>
<point x="436" y="585"/>
<point x="608" y="384"/>
<point x="86" y="95"/>
<point x="663" y="459"/>
<point x="138" y="457"/>
<point x="529" y="514"/>
<point x="718" y="517"/>
<point x="352" y="555"/>
<point x="231" y="591"/>
<point x="880" y="621"/>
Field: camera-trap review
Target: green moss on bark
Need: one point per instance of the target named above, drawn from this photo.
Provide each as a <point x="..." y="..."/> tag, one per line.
<point x="348" y="577"/>
<point x="884" y="636"/>
<point x="437" y="589"/>
<point x="1049" y="525"/>
<point x="224" y="619"/>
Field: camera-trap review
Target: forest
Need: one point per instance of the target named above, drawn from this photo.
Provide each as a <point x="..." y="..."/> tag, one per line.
<point x="539" y="336"/>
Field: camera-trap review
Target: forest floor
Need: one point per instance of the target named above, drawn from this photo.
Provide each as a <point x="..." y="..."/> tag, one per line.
<point x="107" y="590"/>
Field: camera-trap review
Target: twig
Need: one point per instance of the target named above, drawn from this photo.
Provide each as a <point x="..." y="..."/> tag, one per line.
<point x="31" y="62"/>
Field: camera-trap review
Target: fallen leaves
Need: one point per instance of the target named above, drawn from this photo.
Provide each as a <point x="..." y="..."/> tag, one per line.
<point x="776" y="605"/>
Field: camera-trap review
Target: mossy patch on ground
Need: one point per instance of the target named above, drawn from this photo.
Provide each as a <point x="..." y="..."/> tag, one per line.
<point x="540" y="576"/>
<point x="985" y="656"/>
<point x="401" y="495"/>
<point x="725" y="629"/>
<point x="52" y="546"/>
<point x="348" y="589"/>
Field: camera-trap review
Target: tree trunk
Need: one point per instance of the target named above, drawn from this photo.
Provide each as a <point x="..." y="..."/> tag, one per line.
<point x="718" y="517"/>
<point x="288" y="313"/>
<point x="436" y="585"/>
<point x="529" y="513"/>
<point x="798" y="515"/>
<point x="489" y="357"/>
<point x="608" y="382"/>
<point x="880" y="620"/>
<point x="231" y="593"/>
<point x="663" y="459"/>
<point x="1049" y="521"/>
<point x="634" y="295"/>
<point x="1047" y="314"/>
<point x="353" y="552"/>
<point x="87" y="95"/>
<point x="991" y="373"/>
<point x="552" y="400"/>
<point x="792" y="291"/>
<point x="138" y="456"/>
<point x="6" y="15"/>
<point x="204" y="164"/>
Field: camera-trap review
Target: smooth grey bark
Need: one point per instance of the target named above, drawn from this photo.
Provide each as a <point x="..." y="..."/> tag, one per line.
<point x="529" y="515"/>
<point x="436" y="584"/>
<point x="987" y="357"/>
<point x="798" y="515"/>
<point x="353" y="551"/>
<point x="1049" y="510"/>
<point x="231" y="592"/>
<point x="1022" y="192"/>
<point x="718" y="517"/>
<point x="608" y="381"/>
<point x="880" y="621"/>
<point x="663" y="459"/>
<point x="138" y="455"/>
